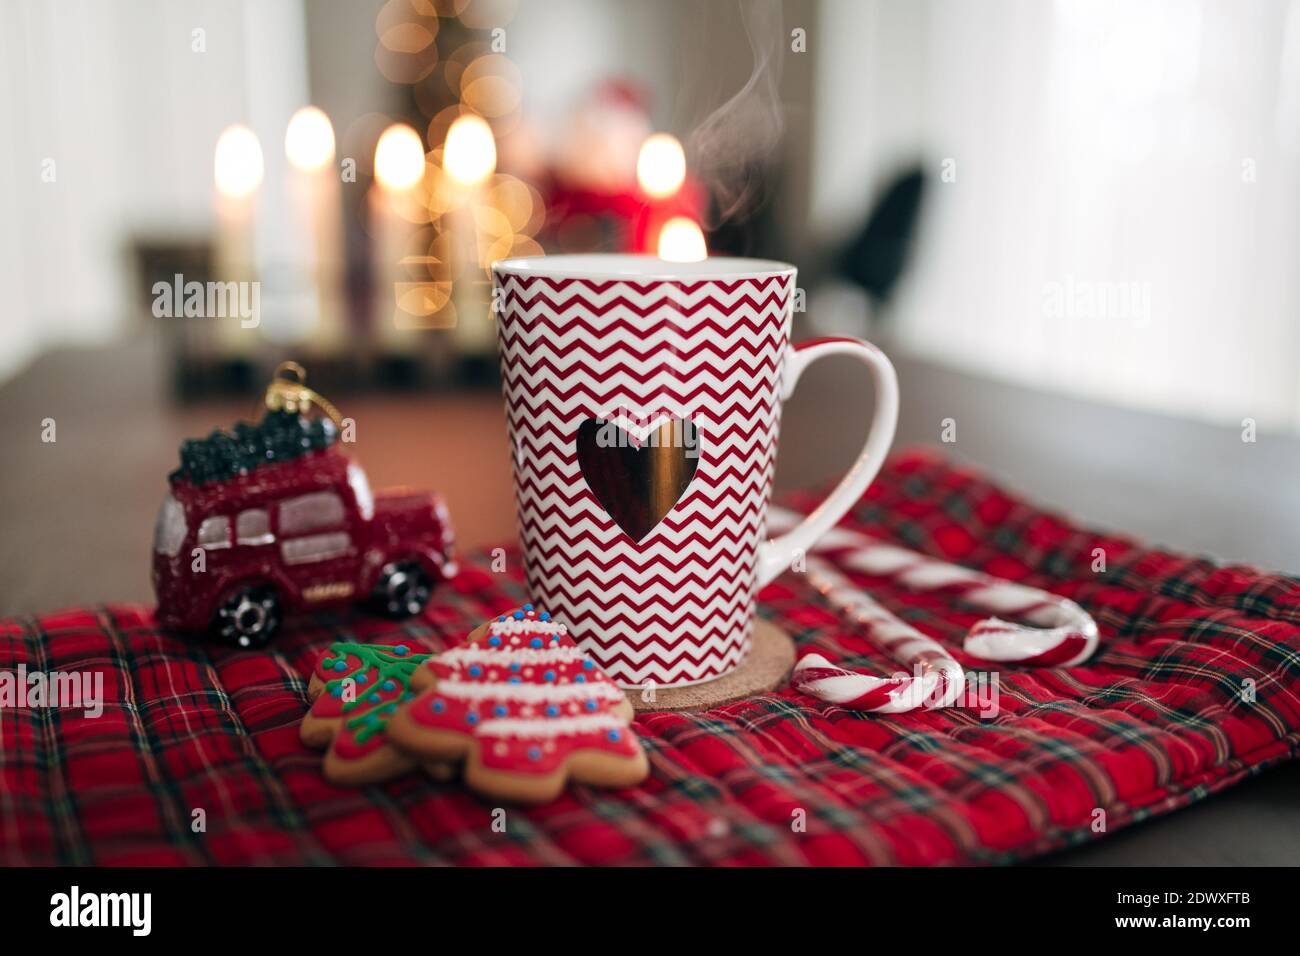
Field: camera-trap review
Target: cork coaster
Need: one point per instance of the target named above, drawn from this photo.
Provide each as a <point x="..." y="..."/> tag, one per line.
<point x="764" y="668"/>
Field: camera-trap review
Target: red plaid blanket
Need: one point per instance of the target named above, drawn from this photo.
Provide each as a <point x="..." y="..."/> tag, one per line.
<point x="1196" y="685"/>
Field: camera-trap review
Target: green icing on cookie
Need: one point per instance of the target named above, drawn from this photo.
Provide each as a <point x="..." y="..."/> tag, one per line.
<point x="375" y="699"/>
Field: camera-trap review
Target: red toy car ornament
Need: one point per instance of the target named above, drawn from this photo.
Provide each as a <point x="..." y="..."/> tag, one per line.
<point x="273" y="518"/>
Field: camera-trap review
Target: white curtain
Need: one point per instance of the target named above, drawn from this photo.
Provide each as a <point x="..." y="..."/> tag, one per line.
<point x="1114" y="207"/>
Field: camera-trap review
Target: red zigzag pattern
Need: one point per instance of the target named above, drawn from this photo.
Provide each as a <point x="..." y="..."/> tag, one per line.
<point x="677" y="607"/>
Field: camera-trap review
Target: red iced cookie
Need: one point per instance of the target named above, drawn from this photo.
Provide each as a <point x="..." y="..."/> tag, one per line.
<point x="526" y="709"/>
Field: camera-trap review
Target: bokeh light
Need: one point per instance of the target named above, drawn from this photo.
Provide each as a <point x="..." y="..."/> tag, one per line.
<point x="407" y="38"/>
<point x="681" y="240"/>
<point x="455" y="64"/>
<point x="519" y="202"/>
<point x="237" y="162"/>
<point x="661" y="166"/>
<point x="470" y="153"/>
<point x="406" y="52"/>
<point x="399" y="158"/>
<point x="439" y="8"/>
<point x="309" y="139"/>
<point x="491" y="86"/>
<point x="486" y="14"/>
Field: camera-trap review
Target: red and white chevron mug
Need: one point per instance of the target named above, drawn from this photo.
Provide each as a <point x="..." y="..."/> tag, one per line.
<point x="644" y="399"/>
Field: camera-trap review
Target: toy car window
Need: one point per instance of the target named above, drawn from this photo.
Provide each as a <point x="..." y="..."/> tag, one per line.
<point x="214" y="533"/>
<point x="316" y="547"/>
<point x="361" y="488"/>
<point x="254" y="527"/>
<point x="169" y="530"/>
<point x="321" y="509"/>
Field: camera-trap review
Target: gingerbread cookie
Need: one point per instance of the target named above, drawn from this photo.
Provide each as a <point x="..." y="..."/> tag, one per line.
<point x="525" y="709"/>
<point x="355" y="689"/>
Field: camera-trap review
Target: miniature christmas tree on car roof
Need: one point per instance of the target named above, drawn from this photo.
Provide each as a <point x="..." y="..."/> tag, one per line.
<point x="285" y="432"/>
<point x="279" y="436"/>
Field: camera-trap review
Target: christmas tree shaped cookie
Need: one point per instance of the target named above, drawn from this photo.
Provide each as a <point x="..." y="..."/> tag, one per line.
<point x="355" y="689"/>
<point x="525" y="709"/>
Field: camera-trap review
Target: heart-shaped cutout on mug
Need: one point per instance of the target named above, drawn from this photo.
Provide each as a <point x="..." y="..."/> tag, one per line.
<point x="638" y="482"/>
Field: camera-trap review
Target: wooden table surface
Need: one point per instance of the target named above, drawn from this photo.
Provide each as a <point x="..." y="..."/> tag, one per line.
<point x="77" y="513"/>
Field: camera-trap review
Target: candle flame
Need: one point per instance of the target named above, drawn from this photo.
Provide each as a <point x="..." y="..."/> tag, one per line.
<point x="237" y="162"/>
<point x="470" y="153"/>
<point x="399" y="158"/>
<point x="309" y="139"/>
<point x="681" y="240"/>
<point x="661" y="166"/>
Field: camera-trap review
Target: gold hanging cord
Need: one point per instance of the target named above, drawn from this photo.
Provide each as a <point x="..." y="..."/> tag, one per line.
<point x="288" y="392"/>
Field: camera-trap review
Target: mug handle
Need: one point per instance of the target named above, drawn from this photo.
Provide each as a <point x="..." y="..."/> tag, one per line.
<point x="776" y="555"/>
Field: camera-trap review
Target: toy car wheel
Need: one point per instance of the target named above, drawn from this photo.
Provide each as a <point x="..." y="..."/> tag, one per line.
<point x="248" y="617"/>
<point x="403" y="589"/>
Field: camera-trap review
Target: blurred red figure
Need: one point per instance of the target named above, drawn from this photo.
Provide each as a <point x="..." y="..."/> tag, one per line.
<point x="594" y="199"/>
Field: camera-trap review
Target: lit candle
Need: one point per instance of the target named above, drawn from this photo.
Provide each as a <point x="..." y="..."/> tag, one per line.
<point x="470" y="153"/>
<point x="237" y="174"/>
<point x="661" y="166"/>
<point x="314" y="194"/>
<point x="399" y="167"/>
<point x="469" y="158"/>
<point x="682" y="240"/>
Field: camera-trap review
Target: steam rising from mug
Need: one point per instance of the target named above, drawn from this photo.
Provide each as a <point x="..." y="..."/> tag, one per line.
<point x="731" y="145"/>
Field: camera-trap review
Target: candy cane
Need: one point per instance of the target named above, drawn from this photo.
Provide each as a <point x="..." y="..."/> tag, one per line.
<point x="1064" y="634"/>
<point x="936" y="676"/>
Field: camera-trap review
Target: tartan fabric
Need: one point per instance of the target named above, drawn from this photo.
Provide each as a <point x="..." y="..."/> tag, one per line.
<point x="1155" y="721"/>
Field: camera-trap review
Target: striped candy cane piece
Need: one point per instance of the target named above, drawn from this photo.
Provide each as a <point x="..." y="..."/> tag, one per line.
<point x="936" y="677"/>
<point x="1060" y="632"/>
<point x="817" y="677"/>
